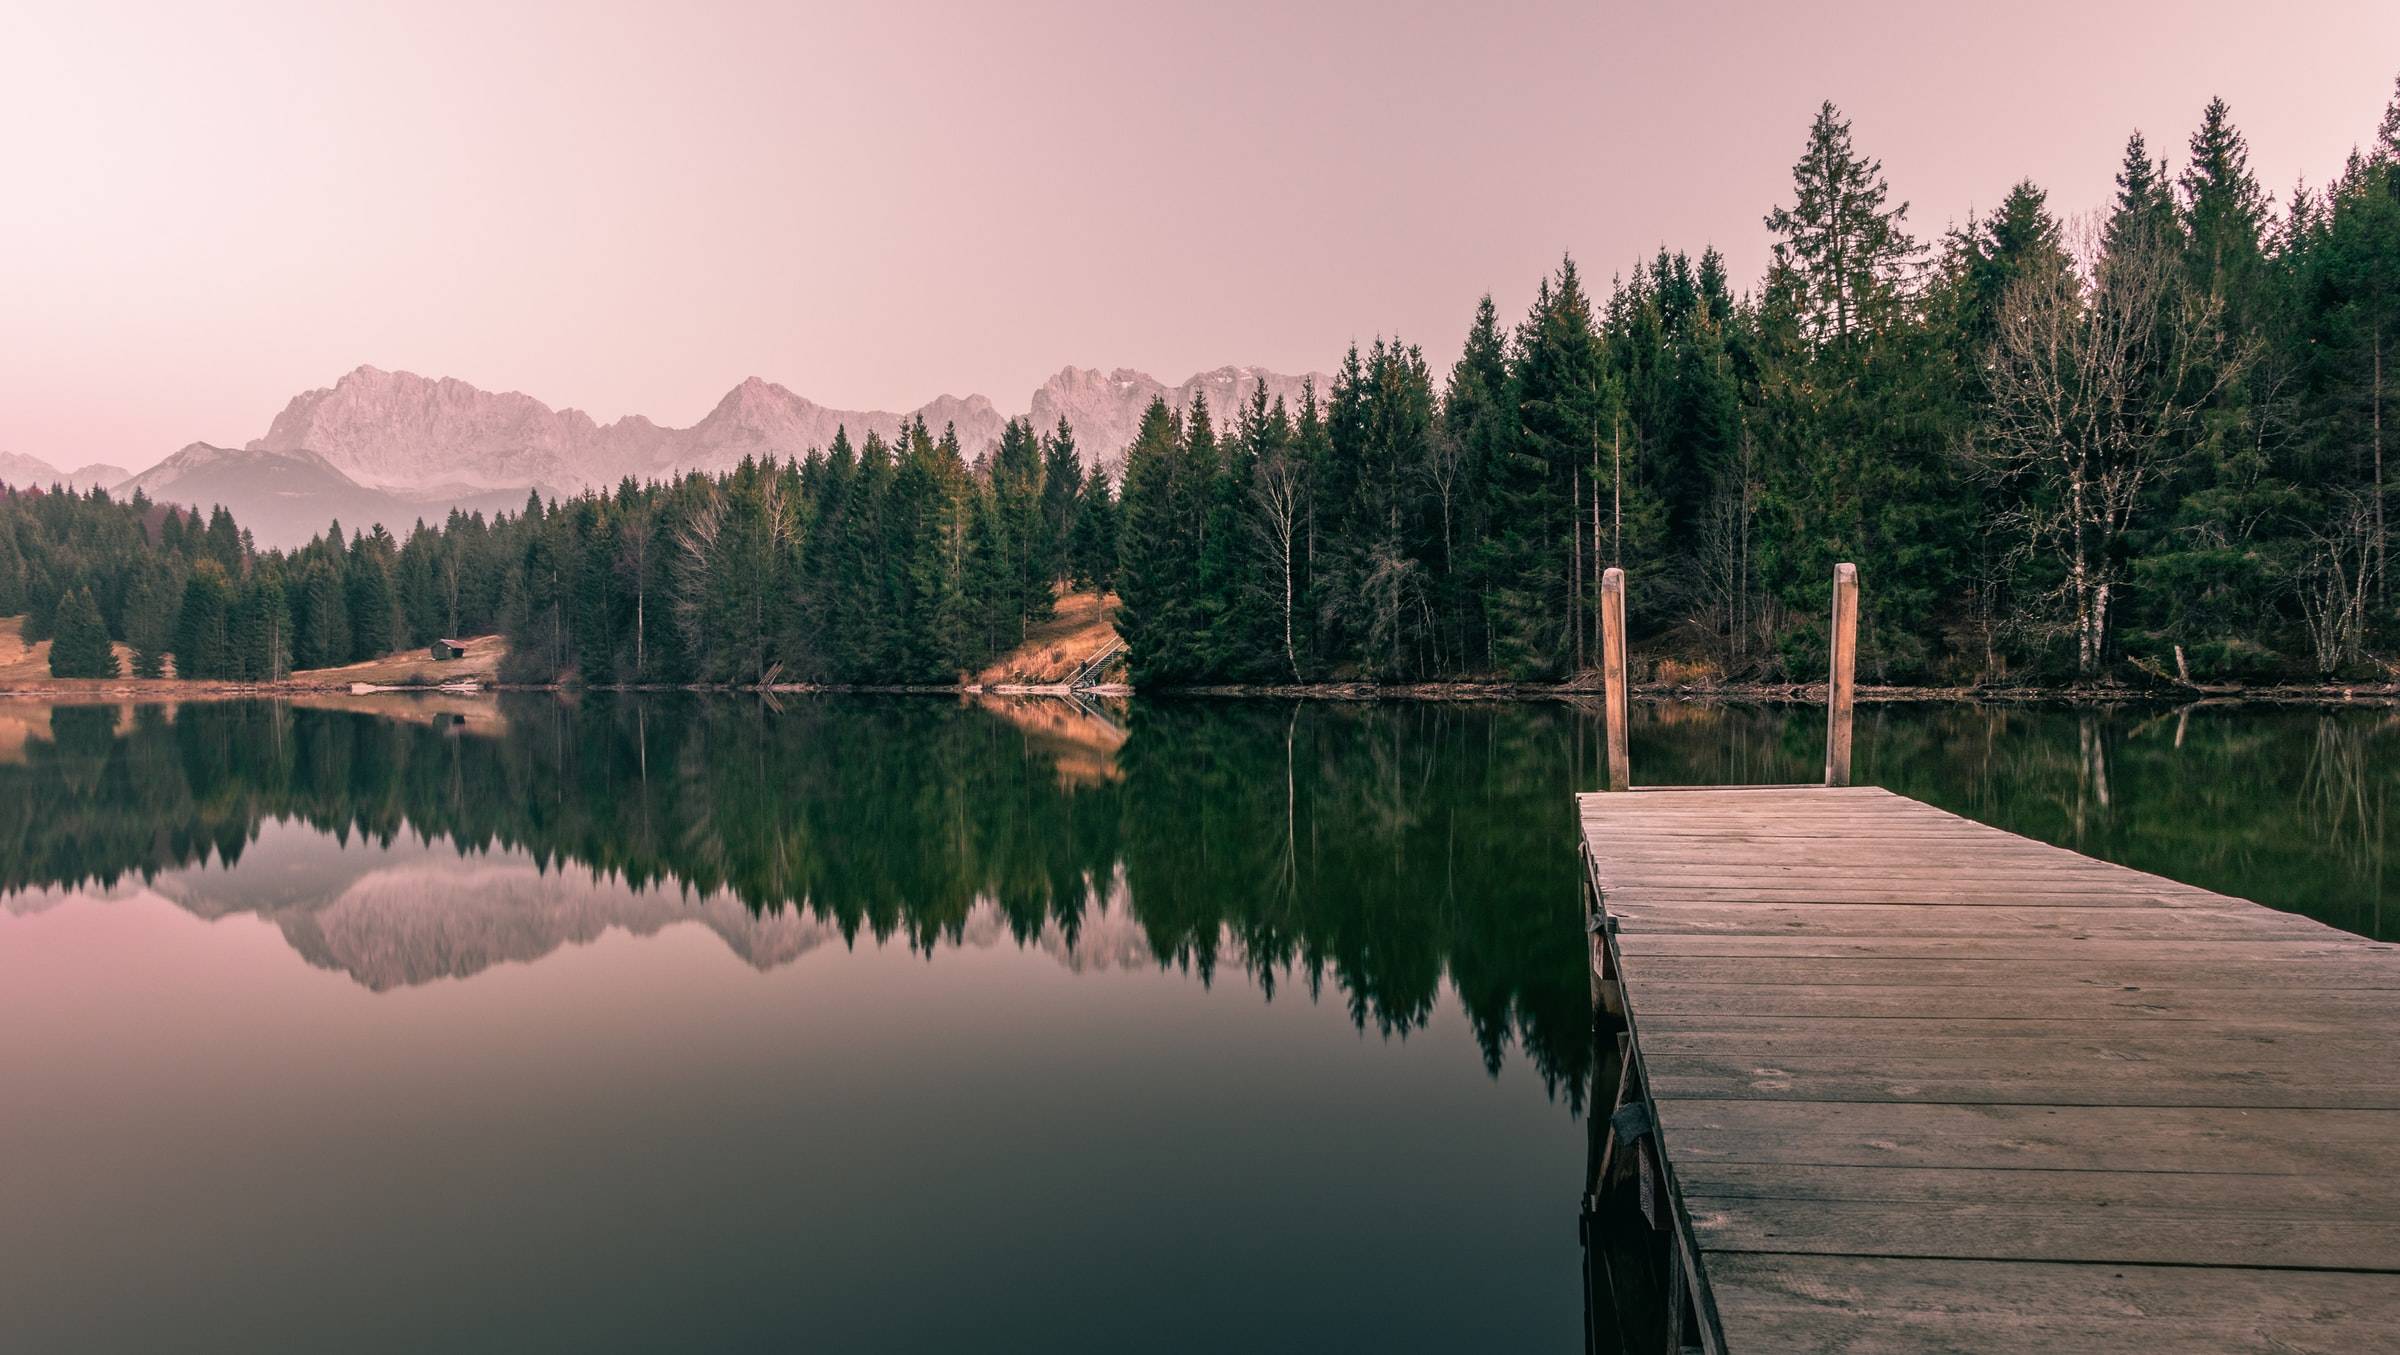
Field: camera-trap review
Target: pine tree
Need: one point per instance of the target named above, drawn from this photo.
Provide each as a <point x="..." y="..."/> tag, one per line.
<point x="262" y="630"/>
<point x="2224" y="211"/>
<point x="2145" y="204"/>
<point x="1020" y="536"/>
<point x="367" y="596"/>
<point x="1373" y="588"/>
<point x="928" y="534"/>
<point x="1155" y="554"/>
<point x="1862" y="422"/>
<point x="151" y="597"/>
<point x="2022" y="239"/>
<point x="1565" y="410"/>
<point x="1239" y="642"/>
<point x="595" y="617"/>
<point x="203" y="624"/>
<point x="1062" y="485"/>
<point x="419" y="595"/>
<point x="1480" y="423"/>
<point x="1845" y="248"/>
<point x="863" y="559"/>
<point x="2239" y="521"/>
<point x="12" y="569"/>
<point x="1092" y="542"/>
<point x="321" y="628"/>
<point x="79" y="646"/>
<point x="995" y="581"/>
<point x="224" y="541"/>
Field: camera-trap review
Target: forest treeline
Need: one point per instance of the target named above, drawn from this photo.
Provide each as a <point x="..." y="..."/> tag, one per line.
<point x="2146" y="442"/>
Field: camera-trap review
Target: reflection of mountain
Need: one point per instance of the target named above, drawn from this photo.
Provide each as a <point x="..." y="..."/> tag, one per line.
<point x="406" y="914"/>
<point x="410" y="913"/>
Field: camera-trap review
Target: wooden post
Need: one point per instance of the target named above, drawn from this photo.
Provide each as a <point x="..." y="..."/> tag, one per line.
<point x="1842" y="685"/>
<point x="1612" y="674"/>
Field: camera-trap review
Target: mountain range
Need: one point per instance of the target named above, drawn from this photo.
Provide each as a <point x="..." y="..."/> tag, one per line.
<point x="391" y="447"/>
<point x="33" y="472"/>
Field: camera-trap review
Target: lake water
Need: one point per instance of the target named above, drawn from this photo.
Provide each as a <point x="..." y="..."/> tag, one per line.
<point x="904" y="1024"/>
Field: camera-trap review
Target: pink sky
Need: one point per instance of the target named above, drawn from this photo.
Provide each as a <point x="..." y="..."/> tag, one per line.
<point x="209" y="208"/>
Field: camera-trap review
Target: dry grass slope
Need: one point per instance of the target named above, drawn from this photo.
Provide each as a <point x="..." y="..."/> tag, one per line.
<point x="22" y="664"/>
<point x="485" y="653"/>
<point x="1056" y="649"/>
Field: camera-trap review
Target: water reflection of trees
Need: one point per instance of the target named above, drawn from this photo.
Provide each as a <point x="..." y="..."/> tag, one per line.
<point x="1369" y="851"/>
<point x="1381" y="849"/>
<point x="2292" y="807"/>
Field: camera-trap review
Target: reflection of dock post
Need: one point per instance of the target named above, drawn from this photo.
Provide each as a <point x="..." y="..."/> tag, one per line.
<point x="1841" y="685"/>
<point x="1612" y="675"/>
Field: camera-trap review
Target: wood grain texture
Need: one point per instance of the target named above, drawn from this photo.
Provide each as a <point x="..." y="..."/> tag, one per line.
<point x="1927" y="1086"/>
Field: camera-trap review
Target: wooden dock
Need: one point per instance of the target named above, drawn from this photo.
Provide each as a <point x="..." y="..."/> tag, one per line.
<point x="1895" y="1081"/>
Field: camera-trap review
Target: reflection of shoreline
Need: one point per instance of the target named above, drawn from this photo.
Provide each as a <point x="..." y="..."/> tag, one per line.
<point x="27" y="718"/>
<point x="1077" y="737"/>
<point x="411" y="914"/>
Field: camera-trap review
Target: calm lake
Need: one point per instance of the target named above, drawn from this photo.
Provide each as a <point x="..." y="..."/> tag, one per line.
<point x="905" y="1024"/>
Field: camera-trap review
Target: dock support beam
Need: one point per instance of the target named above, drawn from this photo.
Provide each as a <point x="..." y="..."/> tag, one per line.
<point x="1612" y="676"/>
<point x="1841" y="687"/>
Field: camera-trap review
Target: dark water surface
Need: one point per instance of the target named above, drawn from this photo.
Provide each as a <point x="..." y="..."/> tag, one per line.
<point x="903" y="1024"/>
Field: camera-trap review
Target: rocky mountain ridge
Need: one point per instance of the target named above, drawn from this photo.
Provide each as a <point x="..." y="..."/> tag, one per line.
<point x="398" y="430"/>
<point x="391" y="447"/>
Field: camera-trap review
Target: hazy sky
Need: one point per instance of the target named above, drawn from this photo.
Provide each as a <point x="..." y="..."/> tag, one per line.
<point x="205" y="209"/>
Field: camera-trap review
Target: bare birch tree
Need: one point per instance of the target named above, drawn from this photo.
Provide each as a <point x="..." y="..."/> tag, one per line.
<point x="1723" y="553"/>
<point x="1276" y="492"/>
<point x="639" y="529"/>
<point x="2097" y="375"/>
<point x="2334" y="582"/>
<point x="695" y="551"/>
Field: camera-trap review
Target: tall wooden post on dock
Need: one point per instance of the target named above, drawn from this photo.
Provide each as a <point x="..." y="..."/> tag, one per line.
<point x="1841" y="686"/>
<point x="1612" y="676"/>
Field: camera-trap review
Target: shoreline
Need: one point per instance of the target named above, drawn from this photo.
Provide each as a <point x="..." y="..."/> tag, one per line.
<point x="1773" y="694"/>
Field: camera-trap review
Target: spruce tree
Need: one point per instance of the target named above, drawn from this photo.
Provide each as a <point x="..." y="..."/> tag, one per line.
<point x="1863" y="424"/>
<point x="12" y="568"/>
<point x="1154" y="554"/>
<point x="2022" y="239"/>
<point x="1842" y="243"/>
<point x="1480" y="423"/>
<point x="1565" y="407"/>
<point x="151" y="597"/>
<point x="2224" y="211"/>
<point x="203" y="624"/>
<point x="2145" y="202"/>
<point x="79" y="646"/>
<point x="1092" y="542"/>
<point x="2240" y="522"/>
<point x="321" y="627"/>
<point x="367" y="596"/>
<point x="1062" y="485"/>
<point x="1020" y="536"/>
<point x="262" y="630"/>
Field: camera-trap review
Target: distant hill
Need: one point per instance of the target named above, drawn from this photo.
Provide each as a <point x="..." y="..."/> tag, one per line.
<point x="286" y="497"/>
<point x="35" y="473"/>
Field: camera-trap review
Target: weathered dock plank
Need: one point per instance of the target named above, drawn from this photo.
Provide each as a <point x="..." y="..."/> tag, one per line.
<point x="1921" y="1084"/>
